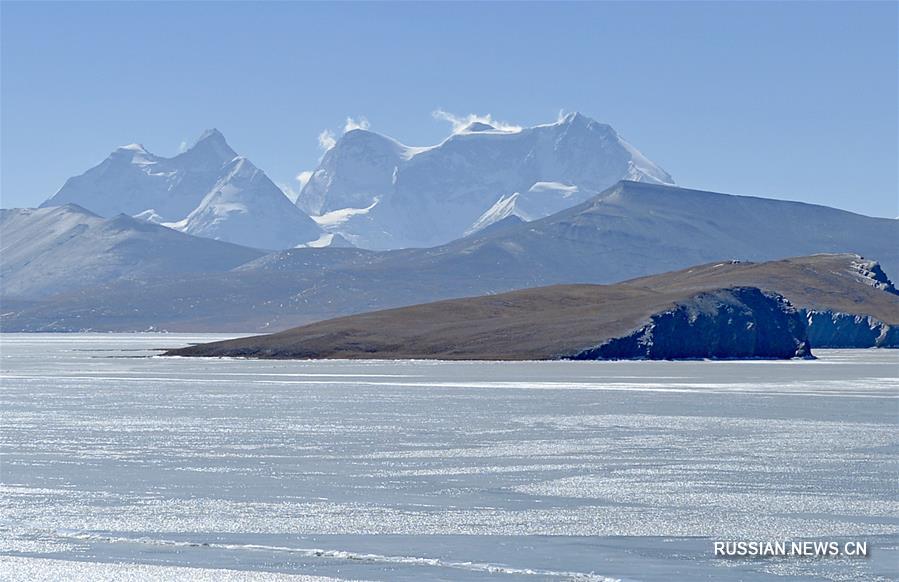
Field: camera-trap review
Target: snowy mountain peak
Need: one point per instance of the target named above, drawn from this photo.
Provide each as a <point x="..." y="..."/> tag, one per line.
<point x="361" y="165"/>
<point x="133" y="147"/>
<point x="245" y="207"/>
<point x="430" y="195"/>
<point x="476" y="126"/>
<point x="211" y="134"/>
<point x="374" y="142"/>
<point x="575" y="117"/>
<point x="578" y="121"/>
<point x="211" y="143"/>
<point x="134" y="153"/>
<point x="207" y="190"/>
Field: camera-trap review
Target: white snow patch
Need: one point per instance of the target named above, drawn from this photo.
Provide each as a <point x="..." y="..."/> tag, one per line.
<point x="465" y="123"/>
<point x="337" y="217"/>
<point x="503" y="208"/>
<point x="149" y="215"/>
<point x="319" y="243"/>
<point x="566" y="189"/>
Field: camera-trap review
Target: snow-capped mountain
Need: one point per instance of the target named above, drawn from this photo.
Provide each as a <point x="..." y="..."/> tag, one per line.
<point x="207" y="191"/>
<point x="62" y="248"/>
<point x="381" y="194"/>
<point x="245" y="207"/>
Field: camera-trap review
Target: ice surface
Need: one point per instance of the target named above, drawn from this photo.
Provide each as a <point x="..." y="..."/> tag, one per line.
<point x="116" y="465"/>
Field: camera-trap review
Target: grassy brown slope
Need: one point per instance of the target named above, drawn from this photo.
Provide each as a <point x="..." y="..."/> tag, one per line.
<point x="827" y="282"/>
<point x="530" y="324"/>
<point x="559" y="320"/>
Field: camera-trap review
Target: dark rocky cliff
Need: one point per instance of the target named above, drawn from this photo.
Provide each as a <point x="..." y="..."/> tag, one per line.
<point x="742" y="322"/>
<point x="830" y="329"/>
<point x="847" y="300"/>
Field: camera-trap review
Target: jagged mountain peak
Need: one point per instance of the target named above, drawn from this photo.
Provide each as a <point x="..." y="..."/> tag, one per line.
<point x="134" y="153"/>
<point x="211" y="143"/>
<point x="576" y="121"/>
<point x="207" y="190"/>
<point x="574" y="118"/>
<point x="387" y="195"/>
<point x="211" y="134"/>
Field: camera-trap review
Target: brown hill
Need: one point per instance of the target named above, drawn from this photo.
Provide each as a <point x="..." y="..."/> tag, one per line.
<point x="713" y="310"/>
<point x="559" y="322"/>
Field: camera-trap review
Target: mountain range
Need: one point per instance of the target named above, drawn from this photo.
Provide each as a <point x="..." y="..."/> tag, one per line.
<point x="207" y="191"/>
<point x="369" y="190"/>
<point x="380" y="194"/>
<point x="205" y="241"/>
<point x="630" y="230"/>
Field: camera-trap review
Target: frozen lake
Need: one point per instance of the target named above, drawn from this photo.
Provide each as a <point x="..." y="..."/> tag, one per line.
<point x="116" y="465"/>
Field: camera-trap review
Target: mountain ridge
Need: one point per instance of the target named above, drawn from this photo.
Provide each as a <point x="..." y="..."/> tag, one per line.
<point x="58" y="249"/>
<point x="397" y="196"/>
<point x="207" y="190"/>
<point x="630" y="230"/>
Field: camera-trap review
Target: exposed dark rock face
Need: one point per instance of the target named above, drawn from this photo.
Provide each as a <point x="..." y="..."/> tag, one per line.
<point x="742" y="322"/>
<point x="828" y="329"/>
<point x="847" y="300"/>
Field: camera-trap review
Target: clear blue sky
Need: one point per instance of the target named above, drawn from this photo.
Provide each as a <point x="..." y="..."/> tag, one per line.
<point x="793" y="100"/>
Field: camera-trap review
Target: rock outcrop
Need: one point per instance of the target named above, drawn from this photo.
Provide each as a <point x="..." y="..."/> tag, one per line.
<point x="738" y="323"/>
<point x="829" y="329"/>
<point x="847" y="301"/>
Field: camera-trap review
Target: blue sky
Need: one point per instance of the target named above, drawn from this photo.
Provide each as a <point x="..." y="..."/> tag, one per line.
<point x="793" y="100"/>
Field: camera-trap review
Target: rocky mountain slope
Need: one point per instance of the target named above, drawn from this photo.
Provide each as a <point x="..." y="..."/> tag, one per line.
<point x="560" y="322"/>
<point x="381" y="194"/>
<point x="208" y="191"/>
<point x="58" y="249"/>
